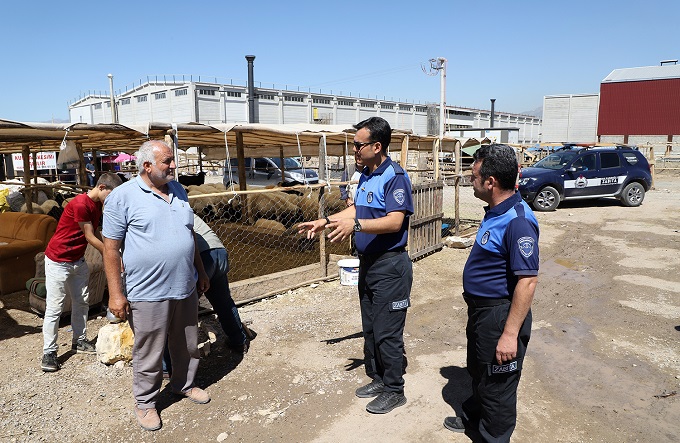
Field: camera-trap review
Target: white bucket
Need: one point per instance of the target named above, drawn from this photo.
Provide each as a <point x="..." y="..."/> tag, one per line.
<point x="349" y="271"/>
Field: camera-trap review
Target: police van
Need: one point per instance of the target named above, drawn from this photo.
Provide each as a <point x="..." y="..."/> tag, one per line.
<point x="575" y="172"/>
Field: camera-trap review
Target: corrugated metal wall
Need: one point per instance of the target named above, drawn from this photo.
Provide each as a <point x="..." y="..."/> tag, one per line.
<point x="641" y="108"/>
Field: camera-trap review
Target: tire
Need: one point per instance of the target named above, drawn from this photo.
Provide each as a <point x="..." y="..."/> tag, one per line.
<point x="633" y="194"/>
<point x="546" y="199"/>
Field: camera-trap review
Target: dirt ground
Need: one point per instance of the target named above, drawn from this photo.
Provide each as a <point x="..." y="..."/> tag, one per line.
<point x="603" y="363"/>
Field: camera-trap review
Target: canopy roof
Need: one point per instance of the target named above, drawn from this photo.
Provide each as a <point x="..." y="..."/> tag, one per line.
<point x="258" y="139"/>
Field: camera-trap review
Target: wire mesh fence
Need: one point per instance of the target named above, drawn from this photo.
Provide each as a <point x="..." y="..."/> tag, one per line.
<point x="259" y="227"/>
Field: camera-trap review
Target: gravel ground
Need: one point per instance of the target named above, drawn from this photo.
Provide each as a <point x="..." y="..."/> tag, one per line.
<point x="603" y="363"/>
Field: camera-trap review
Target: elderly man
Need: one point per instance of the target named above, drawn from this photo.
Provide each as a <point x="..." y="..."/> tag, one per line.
<point x="149" y="219"/>
<point x="379" y="220"/>
<point x="499" y="280"/>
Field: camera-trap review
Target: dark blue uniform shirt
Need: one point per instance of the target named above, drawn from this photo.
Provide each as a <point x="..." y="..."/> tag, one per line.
<point x="386" y="190"/>
<point x="506" y="247"/>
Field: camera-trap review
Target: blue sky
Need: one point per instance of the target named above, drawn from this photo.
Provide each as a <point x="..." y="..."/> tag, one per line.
<point x="515" y="52"/>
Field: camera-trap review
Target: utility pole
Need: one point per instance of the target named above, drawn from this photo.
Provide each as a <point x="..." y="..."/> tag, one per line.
<point x="113" y="102"/>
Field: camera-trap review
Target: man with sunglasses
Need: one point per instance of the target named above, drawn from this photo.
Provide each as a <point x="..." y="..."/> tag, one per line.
<point x="499" y="280"/>
<point x="149" y="219"/>
<point x="379" y="220"/>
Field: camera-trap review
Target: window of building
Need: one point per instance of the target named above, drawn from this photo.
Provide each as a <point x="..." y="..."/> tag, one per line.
<point x="367" y="104"/>
<point x="265" y="96"/>
<point x="345" y="103"/>
<point x="322" y="101"/>
<point x="159" y="95"/>
<point x="141" y="98"/>
<point x="180" y="92"/>
<point x="384" y="106"/>
<point x="405" y="107"/>
<point x="233" y="94"/>
<point x="97" y="106"/>
<point x="460" y="126"/>
<point x="294" y="98"/>
<point x="206" y="91"/>
<point x="124" y="101"/>
<point x="421" y="109"/>
<point x="108" y="104"/>
<point x="456" y="112"/>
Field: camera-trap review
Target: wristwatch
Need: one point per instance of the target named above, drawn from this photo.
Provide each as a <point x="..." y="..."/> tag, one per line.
<point x="357" y="225"/>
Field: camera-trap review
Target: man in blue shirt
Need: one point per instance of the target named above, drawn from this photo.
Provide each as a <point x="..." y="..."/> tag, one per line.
<point x="379" y="220"/>
<point x="499" y="280"/>
<point x="149" y="219"/>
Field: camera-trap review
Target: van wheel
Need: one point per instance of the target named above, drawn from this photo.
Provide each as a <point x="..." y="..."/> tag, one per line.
<point x="633" y="194"/>
<point x="547" y="199"/>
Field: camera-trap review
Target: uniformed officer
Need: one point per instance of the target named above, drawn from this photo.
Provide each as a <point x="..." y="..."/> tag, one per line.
<point x="379" y="219"/>
<point x="499" y="280"/>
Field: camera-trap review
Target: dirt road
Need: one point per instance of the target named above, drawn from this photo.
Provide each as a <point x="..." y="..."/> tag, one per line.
<point x="602" y="365"/>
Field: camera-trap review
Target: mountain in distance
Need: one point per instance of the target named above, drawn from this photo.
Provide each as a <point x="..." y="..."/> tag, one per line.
<point x="538" y="112"/>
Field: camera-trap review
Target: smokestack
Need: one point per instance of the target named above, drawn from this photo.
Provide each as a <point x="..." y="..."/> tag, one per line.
<point x="251" y="90"/>
<point x="493" y="113"/>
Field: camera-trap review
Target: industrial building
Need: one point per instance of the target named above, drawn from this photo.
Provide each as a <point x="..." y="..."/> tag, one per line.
<point x="638" y="106"/>
<point x="181" y="100"/>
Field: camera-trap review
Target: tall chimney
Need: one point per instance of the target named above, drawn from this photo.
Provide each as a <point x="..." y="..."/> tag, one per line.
<point x="251" y="90"/>
<point x="493" y="113"/>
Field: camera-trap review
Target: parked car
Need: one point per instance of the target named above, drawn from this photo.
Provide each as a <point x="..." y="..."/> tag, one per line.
<point x="582" y="173"/>
<point x="263" y="171"/>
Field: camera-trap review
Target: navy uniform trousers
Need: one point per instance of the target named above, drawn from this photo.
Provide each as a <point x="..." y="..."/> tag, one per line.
<point x="384" y="296"/>
<point x="492" y="408"/>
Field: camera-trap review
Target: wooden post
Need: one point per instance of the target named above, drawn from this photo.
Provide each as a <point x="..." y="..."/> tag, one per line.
<point x="28" y="194"/>
<point x="436" y="148"/>
<point x="652" y="165"/>
<point x="403" y="159"/>
<point x="456" y="184"/>
<point x="241" y="162"/>
<point x="283" y="165"/>
<point x="170" y="141"/>
<point x="81" y="176"/>
<point x="93" y="153"/>
<point x="35" y="166"/>
<point x="323" y="259"/>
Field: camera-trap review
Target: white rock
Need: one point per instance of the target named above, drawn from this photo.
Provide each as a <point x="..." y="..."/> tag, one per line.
<point x="236" y="417"/>
<point x="458" y="242"/>
<point x="114" y="343"/>
<point x="223" y="436"/>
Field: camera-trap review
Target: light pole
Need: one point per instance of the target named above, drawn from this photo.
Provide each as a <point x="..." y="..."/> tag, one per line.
<point x="113" y="102"/>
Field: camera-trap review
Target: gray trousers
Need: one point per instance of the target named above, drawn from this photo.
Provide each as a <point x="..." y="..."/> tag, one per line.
<point x="153" y="323"/>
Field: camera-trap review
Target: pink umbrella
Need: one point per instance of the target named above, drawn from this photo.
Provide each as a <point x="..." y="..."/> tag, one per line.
<point x="123" y="157"/>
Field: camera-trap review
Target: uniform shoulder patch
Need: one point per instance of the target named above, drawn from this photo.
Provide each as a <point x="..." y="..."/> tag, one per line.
<point x="399" y="196"/>
<point x="526" y="246"/>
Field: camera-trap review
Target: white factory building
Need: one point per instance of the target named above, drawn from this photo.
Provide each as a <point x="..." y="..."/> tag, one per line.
<point x="187" y="100"/>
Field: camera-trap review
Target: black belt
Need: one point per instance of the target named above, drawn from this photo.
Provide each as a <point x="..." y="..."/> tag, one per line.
<point x="485" y="302"/>
<point x="381" y="255"/>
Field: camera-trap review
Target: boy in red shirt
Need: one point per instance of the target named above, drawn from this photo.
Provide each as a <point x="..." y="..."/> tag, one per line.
<point x="66" y="273"/>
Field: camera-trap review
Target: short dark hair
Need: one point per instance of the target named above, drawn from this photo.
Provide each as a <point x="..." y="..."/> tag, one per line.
<point x="110" y="180"/>
<point x="499" y="161"/>
<point x="379" y="129"/>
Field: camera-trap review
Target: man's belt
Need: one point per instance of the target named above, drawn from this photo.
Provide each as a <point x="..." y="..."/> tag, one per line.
<point x="380" y="255"/>
<point x="485" y="302"/>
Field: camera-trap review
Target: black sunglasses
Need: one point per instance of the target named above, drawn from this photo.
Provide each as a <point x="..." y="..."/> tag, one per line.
<point x="359" y="146"/>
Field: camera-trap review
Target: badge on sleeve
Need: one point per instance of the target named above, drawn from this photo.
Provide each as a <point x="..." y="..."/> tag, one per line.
<point x="369" y="197"/>
<point x="399" y="196"/>
<point x="526" y="246"/>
